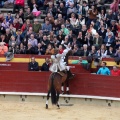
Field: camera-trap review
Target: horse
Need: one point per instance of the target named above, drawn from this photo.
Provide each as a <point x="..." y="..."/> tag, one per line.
<point x="54" y="85"/>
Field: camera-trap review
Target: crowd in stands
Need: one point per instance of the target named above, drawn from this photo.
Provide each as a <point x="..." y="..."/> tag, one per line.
<point x="90" y="28"/>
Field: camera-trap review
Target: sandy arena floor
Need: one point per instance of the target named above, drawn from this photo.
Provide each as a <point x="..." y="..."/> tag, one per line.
<point x="10" y="110"/>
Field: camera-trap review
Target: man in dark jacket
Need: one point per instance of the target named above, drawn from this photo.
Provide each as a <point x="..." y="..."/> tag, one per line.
<point x="33" y="65"/>
<point x="45" y="66"/>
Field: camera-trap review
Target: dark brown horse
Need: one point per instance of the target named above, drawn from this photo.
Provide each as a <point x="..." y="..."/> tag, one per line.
<point x="54" y="85"/>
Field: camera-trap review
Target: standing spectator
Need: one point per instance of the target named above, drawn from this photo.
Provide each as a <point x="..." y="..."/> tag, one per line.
<point x="103" y="70"/>
<point x="115" y="71"/>
<point x="18" y="4"/>
<point x="92" y="15"/>
<point x="45" y="66"/>
<point x="114" y="5"/>
<point x="33" y="65"/>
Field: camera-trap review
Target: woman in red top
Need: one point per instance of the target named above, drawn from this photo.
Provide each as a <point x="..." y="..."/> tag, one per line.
<point x="60" y="49"/>
<point x="115" y="71"/>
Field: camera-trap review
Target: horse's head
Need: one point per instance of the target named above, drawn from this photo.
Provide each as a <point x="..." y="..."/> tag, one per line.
<point x="67" y="56"/>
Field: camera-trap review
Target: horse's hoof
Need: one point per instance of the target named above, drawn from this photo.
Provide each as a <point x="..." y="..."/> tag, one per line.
<point x="58" y="106"/>
<point x="46" y="106"/>
<point x="67" y="92"/>
<point x="62" y="92"/>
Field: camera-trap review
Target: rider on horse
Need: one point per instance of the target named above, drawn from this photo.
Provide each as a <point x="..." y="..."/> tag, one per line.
<point x="58" y="64"/>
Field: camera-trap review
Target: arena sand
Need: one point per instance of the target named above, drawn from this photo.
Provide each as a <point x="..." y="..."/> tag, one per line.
<point x="13" y="110"/>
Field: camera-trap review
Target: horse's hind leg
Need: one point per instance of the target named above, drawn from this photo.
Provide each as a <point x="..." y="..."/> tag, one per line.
<point x="48" y="95"/>
<point x="58" y="105"/>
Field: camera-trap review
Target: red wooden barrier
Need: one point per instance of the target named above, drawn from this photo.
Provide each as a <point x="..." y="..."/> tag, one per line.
<point x="83" y="84"/>
<point x="24" y="67"/>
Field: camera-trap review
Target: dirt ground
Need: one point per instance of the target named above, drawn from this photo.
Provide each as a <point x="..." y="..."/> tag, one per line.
<point x="11" y="110"/>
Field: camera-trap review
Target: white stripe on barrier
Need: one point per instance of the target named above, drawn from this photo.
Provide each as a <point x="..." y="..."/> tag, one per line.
<point x="69" y="96"/>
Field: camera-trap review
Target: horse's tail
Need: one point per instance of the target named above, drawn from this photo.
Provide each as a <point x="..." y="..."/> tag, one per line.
<point x="53" y="91"/>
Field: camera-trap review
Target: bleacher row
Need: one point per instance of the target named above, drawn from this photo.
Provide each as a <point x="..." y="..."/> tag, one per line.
<point x="43" y="13"/>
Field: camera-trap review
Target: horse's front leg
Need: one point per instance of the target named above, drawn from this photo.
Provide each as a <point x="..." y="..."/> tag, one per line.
<point x="58" y="105"/>
<point x="48" y="95"/>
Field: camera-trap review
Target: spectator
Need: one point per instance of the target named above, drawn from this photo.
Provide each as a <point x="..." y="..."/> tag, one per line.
<point x="28" y="14"/>
<point x="33" y="41"/>
<point x="117" y="56"/>
<point x="46" y="27"/>
<point x="33" y="65"/>
<point x="85" y="51"/>
<point x="97" y="41"/>
<point x="36" y="26"/>
<point x="103" y="70"/>
<point x="45" y="66"/>
<point x="64" y="30"/>
<point x="3" y="48"/>
<point x="115" y="71"/>
<point x="18" y="5"/>
<point x="109" y="40"/>
<point x="9" y="18"/>
<point x="49" y="50"/>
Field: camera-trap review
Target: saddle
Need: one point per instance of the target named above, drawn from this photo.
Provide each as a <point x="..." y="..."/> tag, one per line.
<point x="61" y="73"/>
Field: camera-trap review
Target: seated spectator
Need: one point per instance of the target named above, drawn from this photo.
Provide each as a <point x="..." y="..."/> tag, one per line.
<point x="115" y="71"/>
<point x="109" y="40"/>
<point x="60" y="19"/>
<point x="69" y="3"/>
<point x="49" y="50"/>
<point x="45" y="66"/>
<point x="97" y="41"/>
<point x="64" y="30"/>
<point x="28" y="14"/>
<point x="62" y="10"/>
<point x="19" y="38"/>
<point x="102" y="32"/>
<point x="11" y="41"/>
<point x="9" y="18"/>
<point x="40" y="49"/>
<point x="85" y="51"/>
<point x="110" y="52"/>
<point x="35" y="12"/>
<point x="46" y="27"/>
<point x="30" y="49"/>
<point x="33" y="65"/>
<point x="51" y="9"/>
<point x="117" y="56"/>
<point x="33" y="41"/>
<point x="50" y="18"/>
<point x="76" y="51"/>
<point x="22" y="49"/>
<point x="103" y="70"/>
<point x="3" y="48"/>
<point x="36" y="26"/>
<point x="26" y="25"/>
<point x="71" y="9"/>
<point x="45" y="42"/>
